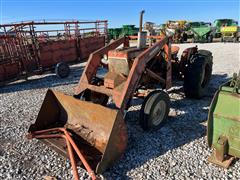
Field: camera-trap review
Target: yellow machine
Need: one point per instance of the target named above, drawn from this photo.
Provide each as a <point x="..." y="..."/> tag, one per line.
<point x="176" y="30"/>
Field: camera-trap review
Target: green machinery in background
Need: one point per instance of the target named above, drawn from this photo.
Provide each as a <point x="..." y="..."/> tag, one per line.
<point x="125" y="30"/>
<point x="181" y="30"/>
<point x="114" y="33"/>
<point x="230" y="33"/>
<point x="223" y="131"/>
<point x="199" y="31"/>
<point x="227" y="29"/>
<point x="129" y="30"/>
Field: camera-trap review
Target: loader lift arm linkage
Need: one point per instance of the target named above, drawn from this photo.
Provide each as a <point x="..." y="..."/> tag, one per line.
<point x="44" y="134"/>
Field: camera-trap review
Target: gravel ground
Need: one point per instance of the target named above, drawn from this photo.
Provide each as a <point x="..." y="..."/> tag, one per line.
<point x="176" y="151"/>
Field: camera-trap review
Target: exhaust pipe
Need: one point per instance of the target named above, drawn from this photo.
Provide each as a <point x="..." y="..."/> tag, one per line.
<point x="141" y="34"/>
<point x="141" y="20"/>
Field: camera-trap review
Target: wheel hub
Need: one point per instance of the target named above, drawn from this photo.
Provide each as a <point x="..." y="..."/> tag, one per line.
<point x="159" y="112"/>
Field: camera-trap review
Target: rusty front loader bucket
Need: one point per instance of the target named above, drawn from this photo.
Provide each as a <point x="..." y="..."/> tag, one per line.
<point x="99" y="132"/>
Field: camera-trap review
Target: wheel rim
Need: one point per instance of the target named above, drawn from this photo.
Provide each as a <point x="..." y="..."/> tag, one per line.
<point x="159" y="113"/>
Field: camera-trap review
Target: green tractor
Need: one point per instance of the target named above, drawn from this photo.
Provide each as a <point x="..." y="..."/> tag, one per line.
<point x="225" y="28"/>
<point x="200" y="31"/>
<point x="126" y="30"/>
<point x="223" y="130"/>
<point x="114" y="33"/>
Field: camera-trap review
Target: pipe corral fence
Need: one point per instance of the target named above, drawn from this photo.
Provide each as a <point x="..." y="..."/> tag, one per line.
<point x="29" y="48"/>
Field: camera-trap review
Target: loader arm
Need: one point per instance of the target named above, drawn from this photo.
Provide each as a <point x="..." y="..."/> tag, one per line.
<point x="124" y="92"/>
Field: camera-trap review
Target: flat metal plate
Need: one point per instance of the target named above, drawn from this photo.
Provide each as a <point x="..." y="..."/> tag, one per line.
<point x="225" y="164"/>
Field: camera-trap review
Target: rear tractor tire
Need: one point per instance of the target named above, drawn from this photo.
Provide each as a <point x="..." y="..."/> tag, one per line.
<point x="154" y="110"/>
<point x="62" y="70"/>
<point x="198" y="74"/>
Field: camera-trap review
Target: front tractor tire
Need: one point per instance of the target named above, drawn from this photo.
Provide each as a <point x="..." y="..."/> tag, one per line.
<point x="154" y="110"/>
<point x="198" y="74"/>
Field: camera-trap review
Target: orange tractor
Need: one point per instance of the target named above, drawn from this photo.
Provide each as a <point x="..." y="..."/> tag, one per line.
<point x="92" y="121"/>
